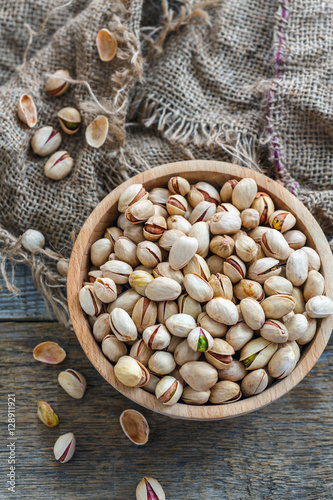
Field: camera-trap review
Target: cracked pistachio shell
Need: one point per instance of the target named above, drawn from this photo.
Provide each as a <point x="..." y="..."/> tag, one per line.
<point x="105" y="289"/>
<point x="274" y="245"/>
<point x="314" y="262"/>
<point x="144" y="313"/>
<point x="192" y="397"/>
<point x="26" y="110"/>
<point x="169" y="390"/>
<point x="179" y="185"/>
<point x="49" y="352"/>
<point x="297" y="267"/>
<point x="197" y="265"/>
<point x="149" y="489"/>
<point x="179" y="223"/>
<point x="244" y="193"/>
<point x="310" y="332"/>
<point x="159" y="196"/>
<point x="57" y="85"/>
<point x="122" y="325"/>
<point x="228" y="207"/>
<point x="282" y="221"/>
<point x="222" y="245"/>
<point x="126" y="301"/>
<point x="276" y="285"/>
<point x="132" y="194"/>
<point x="197" y="287"/>
<point x="141" y="352"/>
<point x="257" y="353"/>
<point x="215" y="328"/>
<point x="163" y="269"/>
<point x="126" y="251"/>
<point x="246" y="248"/>
<point x="168" y="238"/>
<point x="135" y="426"/>
<point x="100" y="251"/>
<point x="234" y="268"/>
<point x="282" y="363"/>
<point x="254" y="382"/>
<point x="176" y="205"/>
<point x="263" y="269"/>
<point x="225" y="223"/>
<point x="297" y="295"/>
<point x="101" y="327"/>
<point x="250" y="218"/>
<point x="225" y="392"/>
<point x="154" y="227"/>
<point x="253" y="313"/>
<point x="112" y="233"/>
<point x="257" y="233"/>
<point x="297" y="325"/>
<point x="182" y="252"/>
<point x="220" y="355"/>
<point x="277" y="306"/>
<point x="314" y="285"/>
<point x="58" y="166"/>
<point x="239" y="335"/>
<point x="200" y="340"/>
<point x="106" y="44"/>
<point x="175" y="341"/>
<point x="202" y="212"/>
<point x="319" y="306"/>
<point x="161" y="289"/>
<point x="293" y="346"/>
<point x="274" y="331"/>
<point x="161" y="211"/>
<point x="187" y="305"/>
<point x="113" y="348"/>
<point x="227" y="190"/>
<point x="131" y="372"/>
<point x="259" y="255"/>
<point x="89" y="302"/>
<point x="32" y="239"/>
<point x="183" y="353"/>
<point x="156" y="337"/>
<point x="222" y="310"/>
<point x="117" y="270"/>
<point x="221" y="286"/>
<point x="203" y="191"/>
<point x="45" y="141"/>
<point x="215" y="264"/>
<point x="295" y="239"/>
<point x="70" y="120"/>
<point x="248" y="288"/>
<point x="64" y="447"/>
<point x="235" y="371"/>
<point x="165" y="309"/>
<point x="149" y="254"/>
<point x="150" y="386"/>
<point x="199" y="375"/>
<point x="46" y="414"/>
<point x="139" y="280"/>
<point x="140" y="211"/>
<point x="162" y="363"/>
<point x="200" y="231"/>
<point x="180" y="324"/>
<point x="264" y="205"/>
<point x="73" y="382"/>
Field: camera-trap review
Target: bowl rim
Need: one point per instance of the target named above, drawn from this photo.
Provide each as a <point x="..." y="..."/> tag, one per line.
<point x="91" y="229"/>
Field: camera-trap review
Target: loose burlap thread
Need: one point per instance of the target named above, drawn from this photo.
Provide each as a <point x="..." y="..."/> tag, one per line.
<point x="248" y="82"/>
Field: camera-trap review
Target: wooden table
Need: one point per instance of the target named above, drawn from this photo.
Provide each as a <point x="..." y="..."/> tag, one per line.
<point x="283" y="452"/>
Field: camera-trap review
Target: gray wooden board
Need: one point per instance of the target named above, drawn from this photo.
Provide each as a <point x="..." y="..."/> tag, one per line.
<point x="281" y="452"/>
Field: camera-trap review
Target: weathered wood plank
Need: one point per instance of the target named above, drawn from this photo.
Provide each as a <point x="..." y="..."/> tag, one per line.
<point x="282" y="452"/>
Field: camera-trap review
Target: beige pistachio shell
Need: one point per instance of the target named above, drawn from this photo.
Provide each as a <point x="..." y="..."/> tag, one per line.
<point x="250" y="218"/>
<point x="310" y="332"/>
<point x="297" y="295"/>
<point x="239" y="335"/>
<point x="277" y="306"/>
<point x="264" y="205"/>
<point x="26" y="110"/>
<point x="169" y="390"/>
<point x="263" y="269"/>
<point x="234" y="372"/>
<point x="199" y="375"/>
<point x="149" y="489"/>
<point x="220" y="355"/>
<point x="221" y="286"/>
<point x="192" y="397"/>
<point x="112" y="233"/>
<point x="159" y="195"/>
<point x="203" y="191"/>
<point x="253" y="313"/>
<point x="313" y="258"/>
<point x="132" y="194"/>
<point x="314" y="285"/>
<point x="58" y="166"/>
<point x="180" y="324"/>
<point x="144" y="314"/>
<point x="105" y="289"/>
<point x="215" y="328"/>
<point x="178" y="223"/>
<point x="131" y="372"/>
<point x="248" y="288"/>
<point x="126" y="300"/>
<point x="139" y="280"/>
<point x="168" y="238"/>
<point x="222" y="246"/>
<point x="225" y="223"/>
<point x="234" y="268"/>
<point x="64" y="447"/>
<point x="225" y="392"/>
<point x="118" y="271"/>
<point x="197" y="287"/>
<point x="165" y="309"/>
<point x="154" y="227"/>
<point x="246" y="248"/>
<point x="164" y="270"/>
<point x="149" y="254"/>
<point x="295" y="239"/>
<point x="101" y="327"/>
<point x="106" y="44"/>
<point x="257" y="353"/>
<point x="162" y="363"/>
<point x="293" y="346"/>
<point x="227" y="189"/>
<point x="56" y="85"/>
<point x="222" y="310"/>
<point x="275" y="331"/>
<point x="183" y="353"/>
<point x="134" y="232"/>
<point x="156" y="337"/>
<point x="297" y="325"/>
<point x="278" y="285"/>
<point x="176" y="205"/>
<point x="122" y="325"/>
<point x="182" y="252"/>
<point x="31" y="240"/>
<point x="281" y="220"/>
<point x="200" y="231"/>
<point x="126" y="251"/>
<point x="73" y="382"/>
<point x="100" y="251"/>
<point x="254" y="382"/>
<point x="202" y="212"/>
<point x="161" y="289"/>
<point x="274" y="245"/>
<point x="135" y="426"/>
<point x="179" y="185"/>
<point x="200" y="340"/>
<point x="46" y="414"/>
<point x="297" y="267"/>
<point x="187" y="305"/>
<point x="141" y="352"/>
<point x="45" y="141"/>
<point x="49" y="352"/>
<point x="70" y="120"/>
<point x="319" y="307"/>
<point x="282" y="363"/>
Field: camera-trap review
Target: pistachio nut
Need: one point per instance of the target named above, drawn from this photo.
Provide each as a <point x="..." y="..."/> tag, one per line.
<point x="297" y="295"/>
<point x="200" y="340"/>
<point x="126" y="251"/>
<point x="220" y="355"/>
<point x="105" y="289"/>
<point x="46" y="414"/>
<point x="257" y="353"/>
<point x="244" y="193"/>
<point x="149" y="254"/>
<point x="202" y="212"/>
<point x="113" y="348"/>
<point x="154" y="379"/>
<point x="225" y="392"/>
<point x="161" y="289"/>
<point x="180" y="324"/>
<point x="168" y="239"/>
<point x="183" y="353"/>
<point x="117" y="270"/>
<point x="26" y="110"/>
<point x="227" y="189"/>
<point x="140" y="211"/>
<point x="199" y="375"/>
<point x="149" y="489"/>
<point x="215" y="264"/>
<point x="250" y="218"/>
<point x="57" y="84"/>
<point x="319" y="306"/>
<point x="297" y="267"/>
<point x="175" y="341"/>
<point x="277" y="306"/>
<point x="295" y="239"/>
<point x="89" y="302"/>
<point x="134" y="232"/>
<point x="276" y="285"/>
<point x="135" y="426"/>
<point x="139" y="280"/>
<point x="45" y="141"/>
<point x="179" y="185"/>
<point x="274" y="245"/>
<point x="161" y="362"/>
<point x="176" y="205"/>
<point x="282" y="220"/>
<point x="248" y="288"/>
<point x="187" y="305"/>
<point x="314" y="262"/>
<point x="282" y="363"/>
<point x="100" y="251"/>
<point x="222" y="245"/>
<point x="106" y="44"/>
<point x="101" y="327"/>
<point x="221" y="286"/>
<point x="264" y="205"/>
<point x="131" y="195"/>
<point x="58" y="166"/>
<point x="165" y="309"/>
<point x="257" y="232"/>
<point x="246" y="248"/>
<point x="31" y="240"/>
<point x="202" y="191"/>
<point x="274" y="331"/>
<point x="163" y="269"/>
<point x="263" y="269"/>
<point x="62" y="267"/>
<point x="297" y="325"/>
<point x="126" y="301"/>
<point x="122" y="221"/>
<point x="310" y="332"/>
<point x="239" y="335"/>
<point x="156" y="337"/>
<point x="131" y="372"/>
<point x="197" y="287"/>
<point x="259" y="255"/>
<point x="235" y="371"/>
<point x="200" y="231"/>
<point x="225" y="223"/>
<point x="192" y="397"/>
<point x="122" y="325"/>
<point x="222" y="310"/>
<point x="154" y="227"/>
<point x="73" y="382"/>
<point x="70" y="120"/>
<point x="215" y="328"/>
<point x="49" y="352"/>
<point x="314" y="285"/>
<point x="141" y="352"/>
<point x="254" y="382"/>
<point x="159" y="196"/>
<point x="144" y="313"/>
<point x="182" y="252"/>
<point x="252" y="312"/>
<point x="178" y="223"/>
<point x="228" y="207"/>
<point x="64" y="447"/>
<point x="112" y="233"/>
<point x="234" y="268"/>
<point x="197" y="265"/>
<point x="293" y="346"/>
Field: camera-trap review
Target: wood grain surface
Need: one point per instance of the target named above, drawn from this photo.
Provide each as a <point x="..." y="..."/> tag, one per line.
<point x="283" y="452"/>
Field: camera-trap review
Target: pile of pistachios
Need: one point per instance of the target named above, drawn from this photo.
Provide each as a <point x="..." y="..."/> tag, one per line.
<point x="201" y="294"/>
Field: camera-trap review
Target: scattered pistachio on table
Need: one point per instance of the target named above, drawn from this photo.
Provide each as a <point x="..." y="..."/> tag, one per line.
<point x="149" y="489"/>
<point x="46" y="414"/>
<point x="64" y="447"/>
<point x="49" y="352"/>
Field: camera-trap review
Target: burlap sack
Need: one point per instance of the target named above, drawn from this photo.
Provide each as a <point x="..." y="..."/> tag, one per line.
<point x="244" y="81"/>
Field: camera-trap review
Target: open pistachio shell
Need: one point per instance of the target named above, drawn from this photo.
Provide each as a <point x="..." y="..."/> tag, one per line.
<point x="49" y="352"/>
<point x="26" y="110"/>
<point x="69" y="119"/>
<point x="97" y="131"/>
<point x="46" y="414"/>
<point x="64" y="447"/>
<point x="135" y="426"/>
<point x="225" y="392"/>
<point x="149" y="489"/>
<point x="106" y="45"/>
<point x="73" y="382"/>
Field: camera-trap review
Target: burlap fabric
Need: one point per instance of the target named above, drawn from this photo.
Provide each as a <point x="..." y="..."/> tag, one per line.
<point x="248" y="82"/>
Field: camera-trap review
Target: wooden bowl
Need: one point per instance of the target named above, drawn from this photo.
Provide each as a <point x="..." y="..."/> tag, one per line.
<point x="105" y="215"/>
